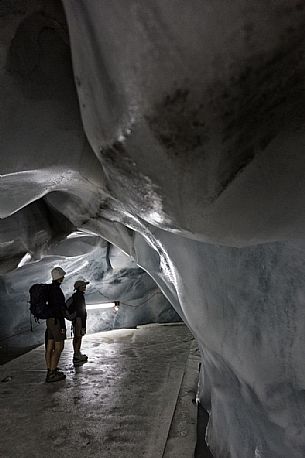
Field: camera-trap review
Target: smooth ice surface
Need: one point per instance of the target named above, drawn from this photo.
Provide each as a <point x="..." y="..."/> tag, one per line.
<point x="121" y="403"/>
<point x="196" y="112"/>
<point x="178" y="136"/>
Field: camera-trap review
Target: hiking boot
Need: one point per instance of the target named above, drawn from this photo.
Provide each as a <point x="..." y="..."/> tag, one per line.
<point x="55" y="376"/>
<point x="57" y="370"/>
<point x="80" y="358"/>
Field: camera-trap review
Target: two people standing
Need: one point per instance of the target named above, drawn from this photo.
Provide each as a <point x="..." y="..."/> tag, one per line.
<point x="56" y="326"/>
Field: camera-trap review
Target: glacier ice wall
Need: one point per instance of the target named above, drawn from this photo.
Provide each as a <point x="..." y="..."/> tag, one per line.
<point x="113" y="277"/>
<point x="179" y="138"/>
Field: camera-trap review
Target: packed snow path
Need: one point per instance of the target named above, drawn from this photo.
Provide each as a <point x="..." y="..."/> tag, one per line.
<point x="121" y="403"/>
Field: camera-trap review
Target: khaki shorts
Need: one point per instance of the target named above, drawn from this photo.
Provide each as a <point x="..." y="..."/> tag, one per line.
<point x="54" y="330"/>
<point x="78" y="330"/>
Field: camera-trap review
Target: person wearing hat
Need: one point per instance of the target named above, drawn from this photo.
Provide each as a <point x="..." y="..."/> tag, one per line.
<point x="56" y="326"/>
<point x="79" y="322"/>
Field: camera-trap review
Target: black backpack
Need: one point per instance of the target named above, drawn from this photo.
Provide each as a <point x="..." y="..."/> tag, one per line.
<point x="38" y="301"/>
<point x="70" y="309"/>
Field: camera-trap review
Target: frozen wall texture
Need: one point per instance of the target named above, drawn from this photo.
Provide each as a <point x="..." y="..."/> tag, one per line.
<point x="178" y="137"/>
<point x="113" y="277"/>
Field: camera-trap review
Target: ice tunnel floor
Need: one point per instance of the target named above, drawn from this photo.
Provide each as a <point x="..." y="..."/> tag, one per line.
<point x="132" y="399"/>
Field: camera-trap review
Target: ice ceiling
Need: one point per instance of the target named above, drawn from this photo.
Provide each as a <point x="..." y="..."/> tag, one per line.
<point x="178" y="137"/>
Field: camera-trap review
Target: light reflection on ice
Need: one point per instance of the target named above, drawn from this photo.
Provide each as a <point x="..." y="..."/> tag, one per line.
<point x="77" y="234"/>
<point x="26" y="258"/>
<point x="8" y="243"/>
<point x="166" y="265"/>
<point x="258" y="453"/>
<point x="80" y="267"/>
<point x="156" y="217"/>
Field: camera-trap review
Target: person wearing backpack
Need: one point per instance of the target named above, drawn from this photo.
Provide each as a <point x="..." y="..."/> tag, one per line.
<point x="79" y="322"/>
<point x="56" y="326"/>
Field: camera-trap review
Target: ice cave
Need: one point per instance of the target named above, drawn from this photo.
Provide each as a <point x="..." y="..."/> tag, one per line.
<point x="155" y="148"/>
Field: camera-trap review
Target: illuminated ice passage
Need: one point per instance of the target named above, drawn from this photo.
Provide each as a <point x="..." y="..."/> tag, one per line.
<point x="176" y="135"/>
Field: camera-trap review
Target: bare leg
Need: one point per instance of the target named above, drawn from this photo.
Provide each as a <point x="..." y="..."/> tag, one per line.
<point x="49" y="352"/>
<point x="58" y="348"/>
<point x="77" y="341"/>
